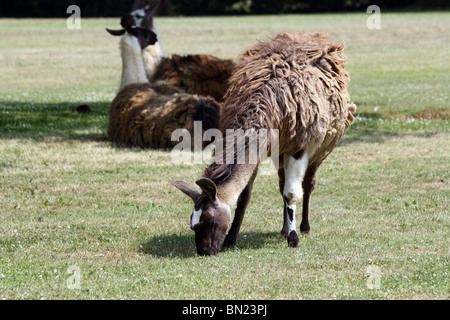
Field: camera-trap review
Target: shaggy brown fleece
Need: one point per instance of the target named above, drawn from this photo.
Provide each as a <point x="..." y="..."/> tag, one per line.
<point x="296" y="83"/>
<point x="145" y="116"/>
<point x="196" y="74"/>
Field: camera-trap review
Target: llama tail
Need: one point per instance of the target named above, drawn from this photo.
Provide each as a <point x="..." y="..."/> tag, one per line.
<point x="350" y="118"/>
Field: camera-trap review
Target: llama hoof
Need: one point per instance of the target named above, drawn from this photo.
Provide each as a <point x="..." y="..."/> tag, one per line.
<point x="227" y="244"/>
<point x="305" y="229"/>
<point x="226" y="247"/>
<point x="292" y="239"/>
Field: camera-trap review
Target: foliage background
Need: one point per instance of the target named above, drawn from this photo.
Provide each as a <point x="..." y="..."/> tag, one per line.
<point x="113" y="8"/>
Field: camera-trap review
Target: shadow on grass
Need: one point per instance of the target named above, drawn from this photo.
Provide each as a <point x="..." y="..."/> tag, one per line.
<point x="183" y="245"/>
<point x="38" y="121"/>
<point x="372" y="128"/>
<point x="170" y="246"/>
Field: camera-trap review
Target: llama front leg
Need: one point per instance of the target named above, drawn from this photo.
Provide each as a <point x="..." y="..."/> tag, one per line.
<point x="294" y="170"/>
<point x="287" y="225"/>
<point x="241" y="206"/>
<point x="284" y="231"/>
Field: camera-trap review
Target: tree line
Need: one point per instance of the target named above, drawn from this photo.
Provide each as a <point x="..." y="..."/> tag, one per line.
<point x="114" y="8"/>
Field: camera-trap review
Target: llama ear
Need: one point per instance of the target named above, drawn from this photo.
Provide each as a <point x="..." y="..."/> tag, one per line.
<point x="145" y="36"/>
<point x="116" y="32"/>
<point x="187" y="189"/>
<point x="209" y="188"/>
<point x="151" y="5"/>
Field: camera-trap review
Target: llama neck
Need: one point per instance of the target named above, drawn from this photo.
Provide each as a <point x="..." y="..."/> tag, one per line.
<point x="153" y="56"/>
<point x="132" y="64"/>
<point x="230" y="180"/>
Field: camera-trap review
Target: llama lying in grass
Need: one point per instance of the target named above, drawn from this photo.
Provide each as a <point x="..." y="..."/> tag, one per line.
<point x="200" y="74"/>
<point x="296" y="84"/>
<point x="144" y="115"/>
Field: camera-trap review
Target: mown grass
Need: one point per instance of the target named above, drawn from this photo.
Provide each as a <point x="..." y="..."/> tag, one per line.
<point x="69" y="197"/>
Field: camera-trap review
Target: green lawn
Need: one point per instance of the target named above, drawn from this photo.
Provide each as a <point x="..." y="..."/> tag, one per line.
<point x="69" y="198"/>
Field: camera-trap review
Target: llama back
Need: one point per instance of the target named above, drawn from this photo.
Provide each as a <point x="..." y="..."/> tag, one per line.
<point x="296" y="83"/>
<point x="197" y="74"/>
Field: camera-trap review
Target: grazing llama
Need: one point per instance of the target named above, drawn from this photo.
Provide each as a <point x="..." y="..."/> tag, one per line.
<point x="295" y="84"/>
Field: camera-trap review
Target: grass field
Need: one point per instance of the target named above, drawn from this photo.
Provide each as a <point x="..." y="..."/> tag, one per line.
<point x="70" y="200"/>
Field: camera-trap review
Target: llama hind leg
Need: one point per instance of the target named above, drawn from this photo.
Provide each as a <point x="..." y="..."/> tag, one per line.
<point x="309" y="184"/>
<point x="294" y="170"/>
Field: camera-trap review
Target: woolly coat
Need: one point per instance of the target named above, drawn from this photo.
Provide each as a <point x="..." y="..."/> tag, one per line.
<point x="196" y="74"/>
<point x="142" y="115"/>
<point x="296" y="83"/>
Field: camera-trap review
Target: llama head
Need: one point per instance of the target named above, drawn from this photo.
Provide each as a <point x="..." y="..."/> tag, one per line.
<point x="144" y="36"/>
<point x="210" y="218"/>
<point x="143" y="12"/>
